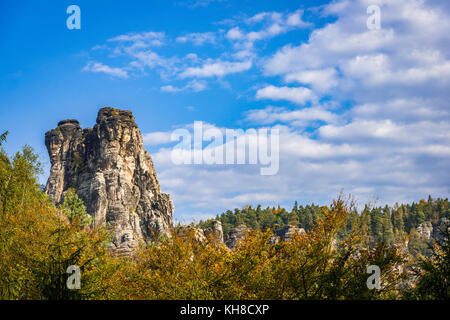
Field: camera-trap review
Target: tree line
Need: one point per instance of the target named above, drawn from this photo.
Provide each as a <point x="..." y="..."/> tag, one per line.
<point x="386" y="224"/>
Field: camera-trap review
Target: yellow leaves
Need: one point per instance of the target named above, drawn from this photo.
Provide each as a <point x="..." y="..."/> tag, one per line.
<point x="34" y="234"/>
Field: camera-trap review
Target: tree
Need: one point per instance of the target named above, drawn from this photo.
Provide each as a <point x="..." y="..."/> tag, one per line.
<point x="38" y="241"/>
<point x="293" y="215"/>
<point x="3" y="137"/>
<point x="377" y="219"/>
<point x="388" y="232"/>
<point x="416" y="245"/>
<point x="74" y="207"/>
<point x="434" y="272"/>
<point x="397" y="222"/>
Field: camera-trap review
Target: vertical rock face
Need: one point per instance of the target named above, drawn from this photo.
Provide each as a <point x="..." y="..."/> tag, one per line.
<point x="215" y="231"/>
<point x="185" y="232"/>
<point x="113" y="174"/>
<point x="236" y="234"/>
<point x="441" y="228"/>
<point x="425" y="230"/>
<point x="287" y="233"/>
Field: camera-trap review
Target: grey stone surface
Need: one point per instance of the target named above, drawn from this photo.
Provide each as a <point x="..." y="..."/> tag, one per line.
<point x="186" y="231"/>
<point x="439" y="229"/>
<point x="236" y="234"/>
<point x="288" y="232"/>
<point x="425" y="230"/>
<point x="215" y="231"/>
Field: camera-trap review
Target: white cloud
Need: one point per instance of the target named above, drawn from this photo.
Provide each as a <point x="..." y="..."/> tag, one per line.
<point x="156" y="138"/>
<point x="295" y="20"/>
<point x="144" y="39"/>
<point x="194" y="85"/>
<point x="197" y="38"/>
<point x="199" y="3"/>
<point x="321" y="80"/>
<point x="274" y="23"/>
<point x="406" y="110"/>
<point x="415" y="133"/>
<point x="216" y="69"/>
<point x="149" y="58"/>
<point x="301" y="118"/>
<point x="297" y="95"/>
<point x="98" y="67"/>
<point x="405" y="55"/>
<point x="234" y="34"/>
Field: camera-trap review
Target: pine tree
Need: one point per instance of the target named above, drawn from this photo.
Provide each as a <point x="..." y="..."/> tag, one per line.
<point x="377" y="217"/>
<point x="3" y="137"/>
<point x="388" y="233"/>
<point x="293" y="215"/>
<point x="397" y="221"/>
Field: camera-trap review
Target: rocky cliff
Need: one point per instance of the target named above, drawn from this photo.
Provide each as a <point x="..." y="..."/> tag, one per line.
<point x="236" y="234"/>
<point x="113" y="174"/>
<point x="287" y="233"/>
<point x="215" y="231"/>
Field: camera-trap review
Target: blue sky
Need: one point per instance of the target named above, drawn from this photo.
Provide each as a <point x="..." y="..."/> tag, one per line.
<point x="358" y="109"/>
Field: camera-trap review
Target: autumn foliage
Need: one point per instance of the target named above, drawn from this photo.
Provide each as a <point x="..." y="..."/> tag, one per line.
<point x="38" y="241"/>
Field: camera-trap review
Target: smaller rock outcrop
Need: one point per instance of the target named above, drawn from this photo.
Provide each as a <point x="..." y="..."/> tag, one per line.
<point x="215" y="231"/>
<point x="439" y="229"/>
<point x="425" y="230"/>
<point x="184" y="232"/>
<point x="286" y="234"/>
<point x="236" y="234"/>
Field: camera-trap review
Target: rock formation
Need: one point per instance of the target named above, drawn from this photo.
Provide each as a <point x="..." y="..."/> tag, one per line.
<point x="113" y="174"/>
<point x="286" y="233"/>
<point x="425" y="230"/>
<point x="236" y="234"/>
<point x="441" y="229"/>
<point x="184" y="232"/>
<point x="215" y="231"/>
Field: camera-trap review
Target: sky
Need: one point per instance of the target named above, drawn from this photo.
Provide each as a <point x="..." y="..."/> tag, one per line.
<point x="359" y="109"/>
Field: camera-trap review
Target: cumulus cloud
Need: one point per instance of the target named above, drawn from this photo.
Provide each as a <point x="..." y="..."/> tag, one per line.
<point x="234" y="34"/>
<point x="197" y="38"/>
<point x="156" y="138"/>
<point x="297" y="95"/>
<point x="98" y="67"/>
<point x="302" y="117"/>
<point x="216" y="69"/>
<point x="321" y="80"/>
<point x="263" y="26"/>
<point x="408" y="53"/>
<point x="194" y="85"/>
<point x="143" y="39"/>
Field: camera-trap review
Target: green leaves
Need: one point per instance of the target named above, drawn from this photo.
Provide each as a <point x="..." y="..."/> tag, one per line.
<point x="74" y="208"/>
